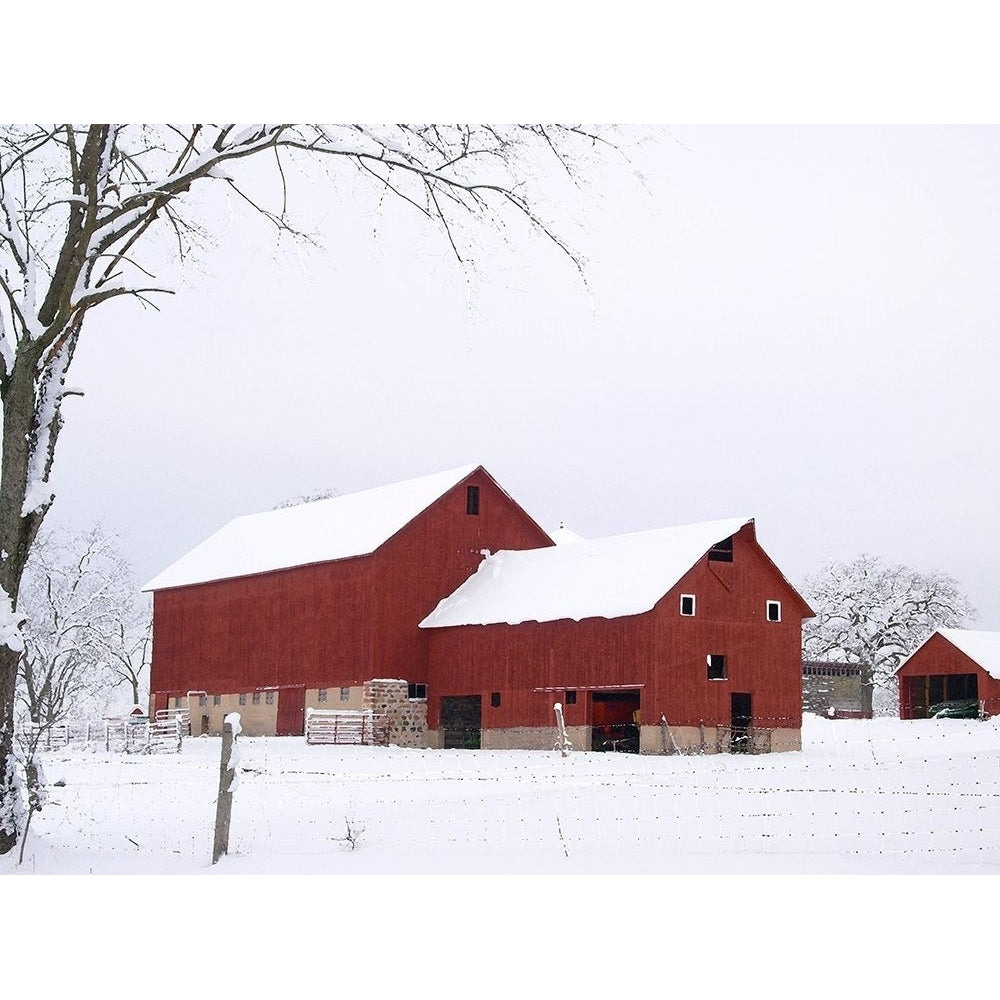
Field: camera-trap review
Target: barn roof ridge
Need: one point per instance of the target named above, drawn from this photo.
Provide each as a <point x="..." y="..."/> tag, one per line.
<point x="610" y="577"/>
<point x="340" y="527"/>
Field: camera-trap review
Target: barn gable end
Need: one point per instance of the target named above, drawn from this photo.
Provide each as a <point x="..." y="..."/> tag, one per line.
<point x="319" y="625"/>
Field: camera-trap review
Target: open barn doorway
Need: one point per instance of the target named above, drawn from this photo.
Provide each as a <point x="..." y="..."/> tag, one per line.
<point x="942" y="696"/>
<point x="462" y="722"/>
<point x="615" y="720"/>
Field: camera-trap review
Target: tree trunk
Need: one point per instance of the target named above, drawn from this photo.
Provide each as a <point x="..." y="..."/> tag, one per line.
<point x="17" y="532"/>
<point x="10" y="811"/>
<point x="867" y="691"/>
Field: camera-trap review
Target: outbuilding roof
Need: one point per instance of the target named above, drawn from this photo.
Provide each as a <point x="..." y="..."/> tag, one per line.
<point x="599" y="578"/>
<point x="351" y="525"/>
<point x="983" y="647"/>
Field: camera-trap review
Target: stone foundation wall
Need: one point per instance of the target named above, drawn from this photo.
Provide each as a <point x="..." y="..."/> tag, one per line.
<point x="407" y="717"/>
<point x="354" y="702"/>
<point x="707" y="739"/>
<point x="534" y="738"/>
<point x="255" y="720"/>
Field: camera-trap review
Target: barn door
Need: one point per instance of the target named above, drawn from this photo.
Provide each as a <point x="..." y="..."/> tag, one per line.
<point x="462" y="722"/>
<point x="741" y="708"/>
<point x="291" y="711"/>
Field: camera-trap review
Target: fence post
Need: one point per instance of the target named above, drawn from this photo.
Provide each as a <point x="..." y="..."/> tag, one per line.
<point x="563" y="744"/>
<point x="227" y="781"/>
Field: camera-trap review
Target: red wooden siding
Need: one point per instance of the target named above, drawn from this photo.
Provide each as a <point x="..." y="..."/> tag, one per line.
<point x="660" y="652"/>
<point x="337" y="623"/>
<point x="938" y="657"/>
<point x="432" y="556"/>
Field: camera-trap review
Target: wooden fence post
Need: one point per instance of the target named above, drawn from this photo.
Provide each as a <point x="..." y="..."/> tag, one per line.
<point x="563" y="744"/>
<point x="227" y="782"/>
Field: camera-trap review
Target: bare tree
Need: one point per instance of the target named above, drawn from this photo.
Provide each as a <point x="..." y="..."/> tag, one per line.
<point x="79" y="599"/>
<point x="79" y="208"/>
<point x="874" y="615"/>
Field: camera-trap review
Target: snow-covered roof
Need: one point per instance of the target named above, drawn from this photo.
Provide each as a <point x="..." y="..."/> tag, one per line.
<point x="599" y="578"/>
<point x="565" y="536"/>
<point x="351" y="525"/>
<point x="983" y="647"/>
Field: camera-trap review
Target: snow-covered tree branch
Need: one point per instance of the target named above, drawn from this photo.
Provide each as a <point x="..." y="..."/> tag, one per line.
<point x="80" y="203"/>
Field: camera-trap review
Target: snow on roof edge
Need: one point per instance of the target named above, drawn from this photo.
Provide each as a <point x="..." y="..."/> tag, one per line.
<point x="612" y="577"/>
<point x="274" y="540"/>
<point x="982" y="646"/>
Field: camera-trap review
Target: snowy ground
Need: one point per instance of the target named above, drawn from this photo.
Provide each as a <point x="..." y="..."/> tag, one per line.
<point x="863" y="797"/>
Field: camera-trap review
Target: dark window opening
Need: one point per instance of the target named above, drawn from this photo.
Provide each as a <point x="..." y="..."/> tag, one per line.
<point x="495" y="699"/>
<point x="417" y="691"/>
<point x="216" y="699"/>
<point x="256" y="697"/>
<point x="321" y="695"/>
<point x="687" y="605"/>
<point x="570" y="697"/>
<point x="721" y="551"/>
<point x="243" y="699"/>
<point x="716" y="667"/>
<point x="269" y="697"/>
<point x="471" y="499"/>
<point x="774" y="611"/>
<point x="345" y="694"/>
<point x="202" y="700"/>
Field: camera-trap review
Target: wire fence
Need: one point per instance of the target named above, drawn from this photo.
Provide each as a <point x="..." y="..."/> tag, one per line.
<point x="861" y="795"/>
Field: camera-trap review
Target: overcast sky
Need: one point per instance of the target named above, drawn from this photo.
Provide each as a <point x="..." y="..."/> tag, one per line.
<point x="793" y="323"/>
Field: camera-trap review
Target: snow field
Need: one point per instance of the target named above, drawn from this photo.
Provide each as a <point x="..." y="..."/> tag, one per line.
<point x="863" y="797"/>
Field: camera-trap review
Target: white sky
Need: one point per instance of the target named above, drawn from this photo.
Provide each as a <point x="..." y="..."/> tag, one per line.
<point x="798" y="323"/>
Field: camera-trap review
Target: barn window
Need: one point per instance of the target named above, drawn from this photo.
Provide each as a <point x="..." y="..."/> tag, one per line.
<point x="471" y="499"/>
<point x="687" y="605"/>
<point x="345" y="694"/>
<point x="321" y="694"/>
<point x="216" y="699"/>
<point x="716" y="667"/>
<point x="774" y="611"/>
<point x="269" y="697"/>
<point x="203" y="701"/>
<point x="417" y="692"/>
<point x="243" y="699"/>
<point x="721" y="551"/>
<point x="256" y="697"/>
<point x="570" y="697"/>
<point x="495" y="699"/>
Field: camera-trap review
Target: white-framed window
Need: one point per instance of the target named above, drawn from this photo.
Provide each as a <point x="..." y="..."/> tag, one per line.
<point x="417" y="692"/>
<point x="321" y="695"/>
<point x="688" y="603"/>
<point x="269" y="697"/>
<point x="773" y="611"/>
<point x="716" y="666"/>
<point x="345" y="694"/>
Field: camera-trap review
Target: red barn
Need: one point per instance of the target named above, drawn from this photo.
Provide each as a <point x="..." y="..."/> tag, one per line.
<point x="390" y="600"/>
<point x="685" y="637"/>
<point x="952" y="666"/>
<point x="299" y="607"/>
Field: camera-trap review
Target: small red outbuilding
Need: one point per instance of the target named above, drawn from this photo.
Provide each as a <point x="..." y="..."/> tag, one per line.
<point x="953" y="665"/>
